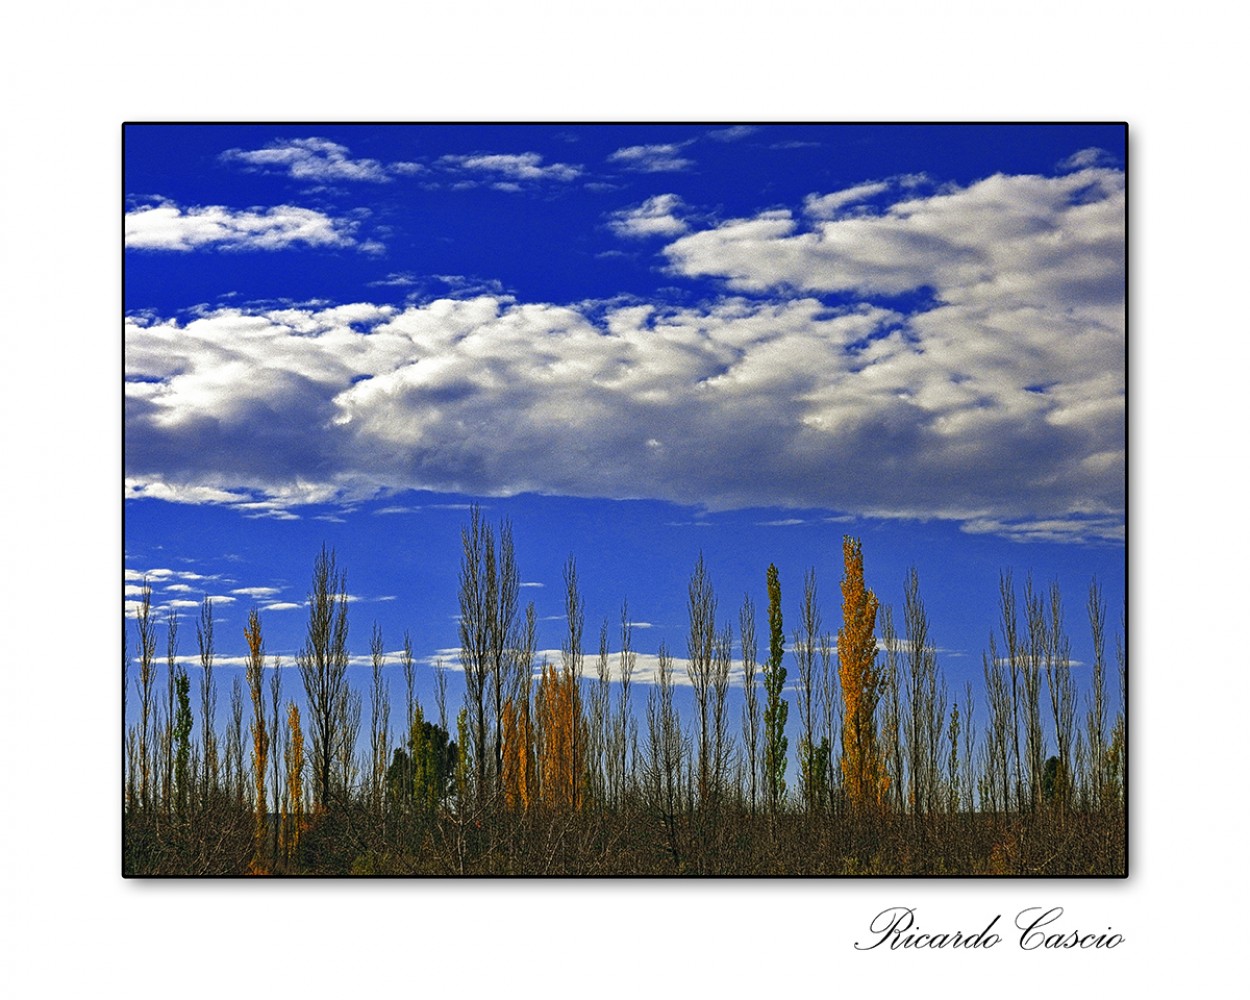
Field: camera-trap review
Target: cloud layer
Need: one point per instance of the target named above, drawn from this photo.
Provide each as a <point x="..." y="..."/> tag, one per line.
<point x="996" y="398"/>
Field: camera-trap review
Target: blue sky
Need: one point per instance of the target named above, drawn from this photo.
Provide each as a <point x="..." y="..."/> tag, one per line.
<point x="636" y="343"/>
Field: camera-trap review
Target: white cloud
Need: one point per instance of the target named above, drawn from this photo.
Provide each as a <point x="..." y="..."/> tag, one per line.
<point x="733" y="133"/>
<point x="282" y="606"/>
<point x="256" y="592"/>
<point x="1089" y="157"/>
<point x="654" y="217"/>
<point x="1004" y="242"/>
<point x="826" y="206"/>
<point x="652" y="159"/>
<point x="164" y="225"/>
<point x="997" y="401"/>
<point x="316" y="159"/>
<point x="513" y="167"/>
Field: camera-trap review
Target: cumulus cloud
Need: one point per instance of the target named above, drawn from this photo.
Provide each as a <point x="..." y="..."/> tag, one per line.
<point x="999" y="409"/>
<point x="509" y="170"/>
<point x="973" y="371"/>
<point x="652" y="159"/>
<point x="164" y="225"/>
<point x="654" y="217"/>
<point x="315" y="159"/>
<point x="1006" y="243"/>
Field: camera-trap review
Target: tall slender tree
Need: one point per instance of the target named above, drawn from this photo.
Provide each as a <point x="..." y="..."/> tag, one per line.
<point x="489" y="585"/>
<point x="208" y="698"/>
<point x="926" y="703"/>
<point x="572" y="664"/>
<point x="700" y="645"/>
<point x="146" y="627"/>
<point x="293" y="818"/>
<point x="750" y="700"/>
<point x="812" y="773"/>
<point x="776" y="708"/>
<point x="277" y="744"/>
<point x="621" y="729"/>
<point x="863" y="768"/>
<point x="167" y="738"/>
<point x="1096" y="712"/>
<point x="379" y="721"/>
<point x="260" y="735"/>
<point x="322" y="666"/>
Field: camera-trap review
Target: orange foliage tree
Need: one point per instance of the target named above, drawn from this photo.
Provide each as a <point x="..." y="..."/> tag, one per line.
<point x="863" y="768"/>
<point x="293" y="814"/>
<point x="519" y="779"/>
<point x="561" y="731"/>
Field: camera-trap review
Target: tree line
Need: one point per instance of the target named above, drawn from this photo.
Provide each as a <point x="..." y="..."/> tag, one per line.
<point x="560" y="768"/>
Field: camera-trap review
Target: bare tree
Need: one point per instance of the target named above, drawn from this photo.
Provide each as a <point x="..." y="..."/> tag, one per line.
<point x="926" y="703"/>
<point x="722" y="741"/>
<point x="969" y="758"/>
<point x="379" y="721"/>
<point x="322" y="666"/>
<point x="277" y="743"/>
<point x="700" y="644"/>
<point x="1062" y="694"/>
<point x="572" y="663"/>
<point x="806" y="637"/>
<point x="999" y="738"/>
<point x="440" y="695"/>
<point x="1015" y="666"/>
<point x="666" y="753"/>
<point x="506" y="582"/>
<point x="167" y="735"/>
<point x="751" y="702"/>
<point x="1031" y="667"/>
<point x="831" y="720"/>
<point x="475" y="634"/>
<point x="628" y="659"/>
<point x="236" y="773"/>
<point x="208" y="698"/>
<point x="489" y="584"/>
<point x="348" y="730"/>
<point x="146" y="627"/>
<point x="892" y="722"/>
<point x="1096" y="712"/>
<point x="600" y="723"/>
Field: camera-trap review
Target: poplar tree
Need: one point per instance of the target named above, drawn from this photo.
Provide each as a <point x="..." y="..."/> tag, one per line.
<point x="293" y="821"/>
<point x="260" y="735"/>
<point x="700" y="645"/>
<point x="776" y="708"/>
<point x="146" y="627"/>
<point x="751" y="704"/>
<point x="208" y="697"/>
<point x="322" y="666"/>
<point x="863" y="769"/>
<point x="812" y="756"/>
